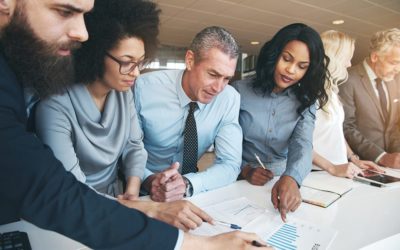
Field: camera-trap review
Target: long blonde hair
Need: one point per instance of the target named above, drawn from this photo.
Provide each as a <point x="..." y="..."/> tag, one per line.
<point x="339" y="47"/>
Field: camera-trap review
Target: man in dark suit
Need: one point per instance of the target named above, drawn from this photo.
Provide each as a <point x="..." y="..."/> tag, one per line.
<point x="35" y="60"/>
<point x="371" y="98"/>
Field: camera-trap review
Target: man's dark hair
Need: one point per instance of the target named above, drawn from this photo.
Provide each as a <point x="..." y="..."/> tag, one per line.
<point x="109" y="23"/>
<point x="311" y="86"/>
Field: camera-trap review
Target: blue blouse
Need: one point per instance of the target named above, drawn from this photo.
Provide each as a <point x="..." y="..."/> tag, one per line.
<point x="274" y="131"/>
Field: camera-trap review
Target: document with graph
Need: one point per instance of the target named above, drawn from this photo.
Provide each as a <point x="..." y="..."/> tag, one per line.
<point x="294" y="234"/>
<point x="239" y="212"/>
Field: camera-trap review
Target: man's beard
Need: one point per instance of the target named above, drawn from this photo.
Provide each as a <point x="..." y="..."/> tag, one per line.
<point x="35" y="61"/>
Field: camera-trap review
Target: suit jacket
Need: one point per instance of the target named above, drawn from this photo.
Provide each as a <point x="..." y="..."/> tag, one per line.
<point x="34" y="186"/>
<point x="365" y="129"/>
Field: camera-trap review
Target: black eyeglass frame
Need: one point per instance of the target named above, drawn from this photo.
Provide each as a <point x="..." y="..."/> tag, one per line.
<point x="140" y="64"/>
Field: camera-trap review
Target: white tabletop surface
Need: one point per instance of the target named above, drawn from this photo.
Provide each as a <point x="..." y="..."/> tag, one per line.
<point x="366" y="216"/>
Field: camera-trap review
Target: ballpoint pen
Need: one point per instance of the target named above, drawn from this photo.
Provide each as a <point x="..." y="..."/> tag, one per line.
<point x="258" y="244"/>
<point x="233" y="226"/>
<point x="259" y="161"/>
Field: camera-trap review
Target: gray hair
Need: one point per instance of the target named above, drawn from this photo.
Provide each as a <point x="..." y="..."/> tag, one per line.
<point x="384" y="40"/>
<point x="214" y="37"/>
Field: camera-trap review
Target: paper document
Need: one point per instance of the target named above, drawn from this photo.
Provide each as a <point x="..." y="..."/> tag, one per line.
<point x="294" y="234"/>
<point x="240" y="211"/>
<point x="298" y="234"/>
<point x="322" y="189"/>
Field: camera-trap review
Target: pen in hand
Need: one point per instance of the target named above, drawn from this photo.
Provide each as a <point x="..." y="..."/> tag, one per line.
<point x="233" y="226"/>
<point x="259" y="161"/>
<point x="257" y="244"/>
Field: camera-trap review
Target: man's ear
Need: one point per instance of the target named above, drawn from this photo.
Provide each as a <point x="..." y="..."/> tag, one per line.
<point x="373" y="57"/>
<point x="189" y="59"/>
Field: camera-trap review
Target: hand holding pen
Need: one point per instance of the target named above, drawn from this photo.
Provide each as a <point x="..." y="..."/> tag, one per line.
<point x="226" y="224"/>
<point x="255" y="243"/>
<point x="259" y="175"/>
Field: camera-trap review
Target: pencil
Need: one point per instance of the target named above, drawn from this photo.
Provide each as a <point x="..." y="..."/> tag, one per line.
<point x="259" y="161"/>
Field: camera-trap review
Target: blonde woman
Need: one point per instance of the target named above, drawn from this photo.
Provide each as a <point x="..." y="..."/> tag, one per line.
<point x="331" y="151"/>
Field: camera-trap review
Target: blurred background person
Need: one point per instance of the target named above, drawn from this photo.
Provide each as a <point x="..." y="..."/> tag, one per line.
<point x="331" y="151"/>
<point x="370" y="100"/>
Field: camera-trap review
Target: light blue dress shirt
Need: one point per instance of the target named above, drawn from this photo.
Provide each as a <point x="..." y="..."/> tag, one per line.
<point x="274" y="131"/>
<point x="163" y="106"/>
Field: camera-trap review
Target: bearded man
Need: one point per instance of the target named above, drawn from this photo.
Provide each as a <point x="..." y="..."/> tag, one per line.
<point x="37" y="40"/>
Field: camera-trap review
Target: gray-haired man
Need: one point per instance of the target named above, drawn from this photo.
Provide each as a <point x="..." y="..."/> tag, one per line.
<point x="169" y="103"/>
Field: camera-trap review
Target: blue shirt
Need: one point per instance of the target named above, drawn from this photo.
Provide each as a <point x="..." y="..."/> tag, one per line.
<point x="274" y="131"/>
<point x="163" y="106"/>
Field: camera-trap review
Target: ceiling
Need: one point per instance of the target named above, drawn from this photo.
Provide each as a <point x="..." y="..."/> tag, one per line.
<point x="259" y="20"/>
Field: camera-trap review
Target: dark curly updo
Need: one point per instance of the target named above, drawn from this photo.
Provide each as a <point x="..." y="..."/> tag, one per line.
<point x="108" y="23"/>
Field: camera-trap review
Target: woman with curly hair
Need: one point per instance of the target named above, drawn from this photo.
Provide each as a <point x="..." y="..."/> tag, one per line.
<point x="93" y="127"/>
<point x="331" y="151"/>
<point x="277" y="112"/>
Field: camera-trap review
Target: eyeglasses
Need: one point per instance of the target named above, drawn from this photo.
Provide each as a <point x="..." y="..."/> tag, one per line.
<point x="127" y="67"/>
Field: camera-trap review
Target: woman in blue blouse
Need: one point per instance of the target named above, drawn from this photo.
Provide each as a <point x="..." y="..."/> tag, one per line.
<point x="277" y="112"/>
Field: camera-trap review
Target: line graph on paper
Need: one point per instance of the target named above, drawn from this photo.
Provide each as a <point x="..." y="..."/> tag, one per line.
<point x="241" y="209"/>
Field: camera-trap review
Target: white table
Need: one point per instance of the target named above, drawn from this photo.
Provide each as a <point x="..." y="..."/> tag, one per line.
<point x="364" y="216"/>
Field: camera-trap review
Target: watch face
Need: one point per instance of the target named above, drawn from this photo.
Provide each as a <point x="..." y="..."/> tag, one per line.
<point x="189" y="187"/>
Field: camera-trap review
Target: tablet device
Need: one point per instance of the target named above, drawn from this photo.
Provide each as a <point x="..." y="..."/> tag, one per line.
<point x="377" y="179"/>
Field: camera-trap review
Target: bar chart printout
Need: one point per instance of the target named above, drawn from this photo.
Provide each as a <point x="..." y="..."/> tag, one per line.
<point x="284" y="238"/>
<point x="300" y="235"/>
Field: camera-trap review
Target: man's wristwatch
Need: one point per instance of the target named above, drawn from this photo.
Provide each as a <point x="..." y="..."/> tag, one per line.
<point x="189" y="187"/>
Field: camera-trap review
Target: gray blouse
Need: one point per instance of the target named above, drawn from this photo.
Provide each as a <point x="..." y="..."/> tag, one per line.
<point x="89" y="143"/>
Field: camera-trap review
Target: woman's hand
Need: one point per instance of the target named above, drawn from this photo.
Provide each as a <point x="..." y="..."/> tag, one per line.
<point x="132" y="189"/>
<point x="256" y="176"/>
<point x="348" y="170"/>
<point x="368" y="165"/>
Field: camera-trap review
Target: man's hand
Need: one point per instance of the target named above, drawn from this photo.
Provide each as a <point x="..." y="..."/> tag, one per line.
<point x="167" y="185"/>
<point x="236" y="240"/>
<point x="181" y="214"/>
<point x="256" y="176"/>
<point x="391" y="160"/>
<point x="285" y="195"/>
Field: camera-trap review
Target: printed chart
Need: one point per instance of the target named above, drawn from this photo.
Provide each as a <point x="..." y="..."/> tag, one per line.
<point x="284" y="238"/>
<point x="298" y="234"/>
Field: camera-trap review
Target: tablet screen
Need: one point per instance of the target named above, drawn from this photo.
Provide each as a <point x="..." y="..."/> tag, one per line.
<point x="378" y="177"/>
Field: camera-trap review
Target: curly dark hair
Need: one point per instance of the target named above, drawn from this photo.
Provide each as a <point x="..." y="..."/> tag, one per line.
<point x="108" y="23"/>
<point x="311" y="87"/>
